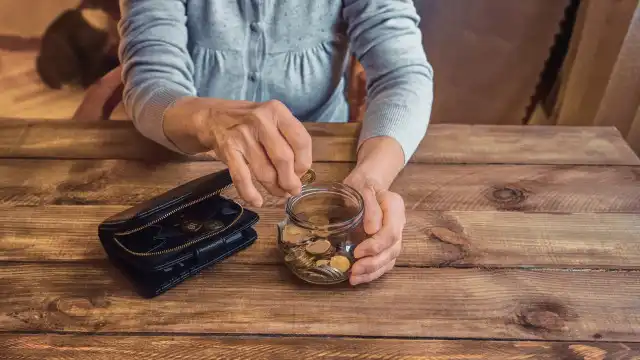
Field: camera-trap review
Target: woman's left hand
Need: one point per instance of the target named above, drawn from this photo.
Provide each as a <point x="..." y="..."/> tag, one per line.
<point x="384" y="220"/>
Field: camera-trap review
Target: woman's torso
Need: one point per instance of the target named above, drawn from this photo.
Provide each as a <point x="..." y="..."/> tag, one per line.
<point x="294" y="51"/>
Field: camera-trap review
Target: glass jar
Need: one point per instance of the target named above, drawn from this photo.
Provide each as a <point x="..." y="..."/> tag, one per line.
<point x="322" y="227"/>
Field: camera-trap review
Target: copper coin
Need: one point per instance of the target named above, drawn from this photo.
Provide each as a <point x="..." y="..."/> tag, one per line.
<point x="318" y="247"/>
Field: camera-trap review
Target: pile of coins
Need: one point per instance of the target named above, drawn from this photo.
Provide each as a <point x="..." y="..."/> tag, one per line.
<point x="315" y="256"/>
<point x="323" y="225"/>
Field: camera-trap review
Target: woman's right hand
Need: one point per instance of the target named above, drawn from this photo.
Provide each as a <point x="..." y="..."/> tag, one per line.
<point x="263" y="139"/>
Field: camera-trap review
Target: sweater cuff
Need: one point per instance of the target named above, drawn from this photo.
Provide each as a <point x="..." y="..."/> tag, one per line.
<point x="149" y="117"/>
<point x="396" y="121"/>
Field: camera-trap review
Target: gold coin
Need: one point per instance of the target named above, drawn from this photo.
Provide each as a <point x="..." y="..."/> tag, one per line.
<point x="318" y="247"/>
<point x="319" y="220"/>
<point x="293" y="230"/>
<point x="341" y="263"/>
<point x="302" y="259"/>
<point x="322" y="262"/>
<point x="293" y="235"/>
<point x="321" y="233"/>
<point x="305" y="262"/>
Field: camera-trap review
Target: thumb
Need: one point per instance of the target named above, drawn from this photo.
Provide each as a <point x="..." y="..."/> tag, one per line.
<point x="372" y="211"/>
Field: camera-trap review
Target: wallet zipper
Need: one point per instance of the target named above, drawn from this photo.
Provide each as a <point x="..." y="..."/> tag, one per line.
<point x="306" y="179"/>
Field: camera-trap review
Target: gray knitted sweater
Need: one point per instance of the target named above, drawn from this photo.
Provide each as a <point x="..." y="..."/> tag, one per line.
<point x="295" y="51"/>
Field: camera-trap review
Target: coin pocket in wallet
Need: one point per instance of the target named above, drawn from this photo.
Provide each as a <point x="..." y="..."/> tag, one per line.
<point x="165" y="240"/>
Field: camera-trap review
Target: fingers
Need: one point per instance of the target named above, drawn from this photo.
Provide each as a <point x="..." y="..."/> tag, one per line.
<point x="377" y="243"/>
<point x="393" y="220"/>
<point x="298" y="138"/>
<point x="372" y="211"/>
<point x="378" y="253"/>
<point x="374" y="263"/>
<point x="359" y="279"/>
<point x="241" y="177"/>
<point x="259" y="163"/>
<point x="280" y="153"/>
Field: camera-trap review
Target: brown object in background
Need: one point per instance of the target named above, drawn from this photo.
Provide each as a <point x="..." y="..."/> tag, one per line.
<point x="356" y="91"/>
<point x="487" y="55"/>
<point x="78" y="47"/>
<point x="101" y="98"/>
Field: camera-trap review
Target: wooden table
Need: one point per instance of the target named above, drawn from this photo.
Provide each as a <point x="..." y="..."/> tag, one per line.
<point x="521" y="243"/>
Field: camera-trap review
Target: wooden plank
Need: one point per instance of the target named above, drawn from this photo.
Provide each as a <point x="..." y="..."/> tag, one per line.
<point x="130" y="347"/>
<point x="444" y="143"/>
<point x="266" y="299"/>
<point x="439" y="239"/>
<point x="531" y="188"/>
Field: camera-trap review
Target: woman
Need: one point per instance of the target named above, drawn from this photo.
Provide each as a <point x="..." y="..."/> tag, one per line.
<point x="237" y="77"/>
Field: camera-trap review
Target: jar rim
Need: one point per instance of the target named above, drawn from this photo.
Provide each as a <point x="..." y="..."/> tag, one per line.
<point x="338" y="188"/>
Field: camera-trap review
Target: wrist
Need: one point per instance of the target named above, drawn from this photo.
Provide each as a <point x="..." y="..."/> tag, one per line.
<point x="182" y="125"/>
<point x="379" y="161"/>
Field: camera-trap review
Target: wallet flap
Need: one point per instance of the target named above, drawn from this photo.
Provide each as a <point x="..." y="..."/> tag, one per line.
<point x="171" y="200"/>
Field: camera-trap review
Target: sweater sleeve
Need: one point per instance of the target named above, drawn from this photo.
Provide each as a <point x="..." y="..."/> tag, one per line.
<point x="386" y="39"/>
<point x="156" y="66"/>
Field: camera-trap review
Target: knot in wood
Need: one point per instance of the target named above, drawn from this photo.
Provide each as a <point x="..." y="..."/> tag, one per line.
<point x="71" y="306"/>
<point x="544" y="317"/>
<point x="543" y="320"/>
<point x="456" y="246"/>
<point x="448" y="237"/>
<point x="508" y="195"/>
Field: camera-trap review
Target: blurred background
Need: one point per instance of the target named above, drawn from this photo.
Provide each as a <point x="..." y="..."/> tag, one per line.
<point x="536" y="62"/>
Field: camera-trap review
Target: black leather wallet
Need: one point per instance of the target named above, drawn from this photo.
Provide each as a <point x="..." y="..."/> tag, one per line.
<point x="165" y="240"/>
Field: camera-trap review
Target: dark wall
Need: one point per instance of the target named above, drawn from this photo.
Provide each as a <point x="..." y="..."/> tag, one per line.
<point x="488" y="55"/>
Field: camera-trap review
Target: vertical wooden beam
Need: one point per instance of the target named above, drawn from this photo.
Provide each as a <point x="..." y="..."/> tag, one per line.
<point x="633" y="137"/>
<point x="601" y="30"/>
<point x="621" y="101"/>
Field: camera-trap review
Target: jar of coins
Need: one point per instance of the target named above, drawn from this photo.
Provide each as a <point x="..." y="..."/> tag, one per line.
<point x="323" y="225"/>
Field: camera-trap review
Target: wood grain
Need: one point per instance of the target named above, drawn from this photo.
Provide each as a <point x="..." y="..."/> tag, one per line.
<point x="335" y="142"/>
<point x="38" y="347"/>
<point x="267" y="299"/>
<point x="438" y="239"/>
<point x="530" y="188"/>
